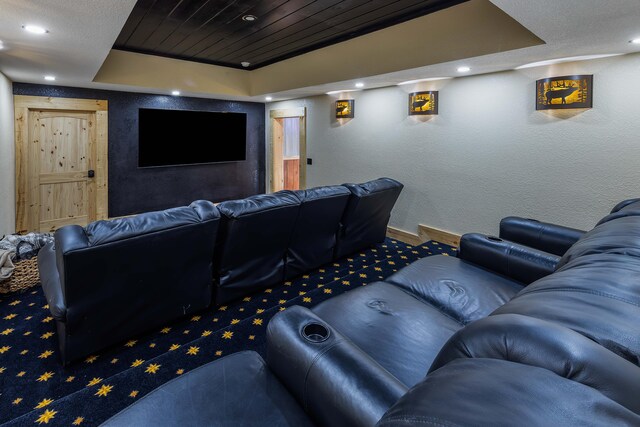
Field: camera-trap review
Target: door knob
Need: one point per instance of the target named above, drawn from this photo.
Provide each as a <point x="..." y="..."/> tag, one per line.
<point x="91" y="173"/>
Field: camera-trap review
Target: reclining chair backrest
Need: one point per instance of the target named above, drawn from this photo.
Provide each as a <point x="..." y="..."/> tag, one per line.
<point x="509" y="367"/>
<point x="123" y="277"/>
<point x="595" y="290"/>
<point x="252" y="243"/>
<point x="314" y="238"/>
<point x="367" y="214"/>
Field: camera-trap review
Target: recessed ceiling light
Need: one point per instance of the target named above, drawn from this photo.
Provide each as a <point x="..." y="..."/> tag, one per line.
<point x="249" y="18"/>
<point x="464" y="69"/>
<point x="268" y="98"/>
<point x="34" y="29"/>
<point x="175" y="92"/>
<point x="430" y="79"/>
<point x="568" y="59"/>
<point x="359" y="84"/>
<point x="635" y="41"/>
<point x="50" y="78"/>
<point x="245" y="64"/>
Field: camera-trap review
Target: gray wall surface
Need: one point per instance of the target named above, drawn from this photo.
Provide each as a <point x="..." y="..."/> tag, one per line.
<point x="7" y="159"/>
<point x="489" y="153"/>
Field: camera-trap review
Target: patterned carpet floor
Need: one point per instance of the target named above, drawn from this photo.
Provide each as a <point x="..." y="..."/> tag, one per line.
<point x="36" y="390"/>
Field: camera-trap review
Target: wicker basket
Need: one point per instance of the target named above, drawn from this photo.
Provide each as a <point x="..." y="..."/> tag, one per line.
<point x="24" y="276"/>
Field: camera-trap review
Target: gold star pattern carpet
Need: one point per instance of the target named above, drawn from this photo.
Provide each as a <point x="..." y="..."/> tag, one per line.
<point x="37" y="390"/>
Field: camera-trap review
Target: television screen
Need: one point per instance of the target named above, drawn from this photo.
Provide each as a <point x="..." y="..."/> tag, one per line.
<point x="178" y="137"/>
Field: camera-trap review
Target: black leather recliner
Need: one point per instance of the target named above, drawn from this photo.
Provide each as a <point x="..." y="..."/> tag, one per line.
<point x="367" y="214"/>
<point x="316" y="228"/>
<point x="114" y="279"/>
<point x="563" y="350"/>
<point x="552" y="238"/>
<point x="252" y="243"/>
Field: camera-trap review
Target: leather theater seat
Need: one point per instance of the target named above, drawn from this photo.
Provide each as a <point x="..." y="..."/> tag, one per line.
<point x="252" y="243"/>
<point x="314" y="236"/>
<point x="365" y="219"/>
<point x="111" y="273"/>
<point x="237" y="390"/>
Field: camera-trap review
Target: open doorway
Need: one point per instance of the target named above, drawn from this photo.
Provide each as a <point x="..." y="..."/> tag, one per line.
<point x="288" y="165"/>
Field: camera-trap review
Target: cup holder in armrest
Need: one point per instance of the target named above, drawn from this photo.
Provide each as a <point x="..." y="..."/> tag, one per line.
<point x="315" y="332"/>
<point x="494" y="239"/>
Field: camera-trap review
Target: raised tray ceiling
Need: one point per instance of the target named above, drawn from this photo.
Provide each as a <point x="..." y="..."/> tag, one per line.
<point x="213" y="31"/>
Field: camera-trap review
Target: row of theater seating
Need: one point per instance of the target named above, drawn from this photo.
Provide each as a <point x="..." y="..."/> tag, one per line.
<point x="114" y="279"/>
<point x="502" y="335"/>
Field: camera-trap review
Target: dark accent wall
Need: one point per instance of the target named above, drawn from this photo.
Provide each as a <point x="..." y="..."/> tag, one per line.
<point x="134" y="190"/>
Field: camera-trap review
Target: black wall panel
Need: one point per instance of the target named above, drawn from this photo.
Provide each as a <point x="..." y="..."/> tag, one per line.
<point x="134" y="190"/>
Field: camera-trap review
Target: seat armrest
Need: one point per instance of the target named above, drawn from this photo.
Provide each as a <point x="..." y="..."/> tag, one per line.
<point x="334" y="380"/>
<point x="547" y="237"/>
<point x="51" y="284"/>
<point x="518" y="262"/>
<point x="623" y="204"/>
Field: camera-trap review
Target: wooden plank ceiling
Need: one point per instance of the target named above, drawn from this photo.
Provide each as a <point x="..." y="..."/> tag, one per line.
<point x="213" y="31"/>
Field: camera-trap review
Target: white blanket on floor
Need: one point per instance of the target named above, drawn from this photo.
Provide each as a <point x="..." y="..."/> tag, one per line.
<point x="6" y="265"/>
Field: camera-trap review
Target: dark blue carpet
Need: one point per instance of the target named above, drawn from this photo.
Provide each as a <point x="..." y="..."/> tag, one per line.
<point x="36" y="389"/>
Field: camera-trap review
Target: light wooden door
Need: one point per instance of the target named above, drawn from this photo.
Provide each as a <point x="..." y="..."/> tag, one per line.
<point x="62" y="153"/>
<point x="58" y="169"/>
<point x="288" y="166"/>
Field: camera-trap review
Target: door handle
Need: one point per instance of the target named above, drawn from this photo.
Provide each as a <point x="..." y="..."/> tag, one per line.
<point x="91" y="173"/>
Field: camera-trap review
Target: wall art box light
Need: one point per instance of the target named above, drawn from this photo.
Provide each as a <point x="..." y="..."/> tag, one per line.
<point x="423" y="103"/>
<point x="558" y="93"/>
<point x="344" y="109"/>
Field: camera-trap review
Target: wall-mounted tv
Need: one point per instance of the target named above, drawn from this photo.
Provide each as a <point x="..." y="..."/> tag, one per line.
<point x="180" y="137"/>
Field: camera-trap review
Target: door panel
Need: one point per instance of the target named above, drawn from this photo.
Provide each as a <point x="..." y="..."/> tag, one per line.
<point x="58" y="141"/>
<point x="64" y="145"/>
<point x="288" y="150"/>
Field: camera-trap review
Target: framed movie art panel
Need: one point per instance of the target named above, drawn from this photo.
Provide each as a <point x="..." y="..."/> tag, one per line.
<point x="423" y="103"/>
<point x="345" y="109"/>
<point x="559" y="93"/>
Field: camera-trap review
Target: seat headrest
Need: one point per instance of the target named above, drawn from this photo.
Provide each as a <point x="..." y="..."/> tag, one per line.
<point x="101" y="232"/>
<point x="259" y="203"/>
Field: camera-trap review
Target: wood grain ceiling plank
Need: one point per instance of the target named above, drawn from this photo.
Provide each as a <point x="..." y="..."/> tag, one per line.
<point x="311" y="39"/>
<point x="137" y="14"/>
<point x="178" y="17"/>
<point x="266" y="18"/>
<point x="325" y="22"/>
<point x="212" y="31"/>
<point x="300" y="18"/>
<point x="212" y="24"/>
<point x="152" y="20"/>
<point x="217" y="31"/>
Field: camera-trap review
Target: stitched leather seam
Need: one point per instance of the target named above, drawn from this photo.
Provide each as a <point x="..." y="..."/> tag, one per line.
<point x="313" y="362"/>
<point x="583" y="291"/>
<point x="420" y="420"/>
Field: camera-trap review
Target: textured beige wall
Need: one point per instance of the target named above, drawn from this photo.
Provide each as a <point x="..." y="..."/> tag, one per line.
<point x="489" y="153"/>
<point x="7" y="158"/>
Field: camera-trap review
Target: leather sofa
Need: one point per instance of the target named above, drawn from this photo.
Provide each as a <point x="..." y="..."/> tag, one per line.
<point x="268" y="238"/>
<point x="114" y="279"/>
<point x="448" y="341"/>
<point x="98" y="278"/>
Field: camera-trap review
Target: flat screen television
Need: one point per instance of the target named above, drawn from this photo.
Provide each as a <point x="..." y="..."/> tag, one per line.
<point x="180" y="137"/>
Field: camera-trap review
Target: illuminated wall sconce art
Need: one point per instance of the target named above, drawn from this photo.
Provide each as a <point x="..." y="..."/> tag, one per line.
<point x="559" y="93"/>
<point x="345" y="109"/>
<point x="423" y="103"/>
